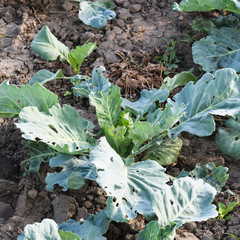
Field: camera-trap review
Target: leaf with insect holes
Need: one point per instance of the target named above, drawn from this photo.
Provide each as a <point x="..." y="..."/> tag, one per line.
<point x="62" y="129"/>
<point x="47" y="46"/>
<point x="178" y="80"/>
<point x="220" y="49"/>
<point x="44" y="76"/>
<point x="74" y="171"/>
<point x="229" y="141"/>
<point x="96" y="13"/>
<point x="215" y="176"/>
<point x="95" y="84"/>
<point x="145" y="102"/>
<point x="13" y="99"/>
<point x="207" y="5"/>
<point x="187" y="200"/>
<point x="217" y="94"/>
<point x="132" y="186"/>
<point x="40" y="152"/>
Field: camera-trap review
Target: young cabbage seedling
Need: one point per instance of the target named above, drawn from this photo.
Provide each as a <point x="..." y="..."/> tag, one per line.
<point x="47" y="46"/>
<point x="224" y="210"/>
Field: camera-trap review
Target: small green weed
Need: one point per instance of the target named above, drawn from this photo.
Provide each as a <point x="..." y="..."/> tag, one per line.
<point x="133" y="61"/>
<point x="169" y="58"/>
<point x="224" y="210"/>
<point x="233" y="236"/>
<point x="190" y="38"/>
<point x="67" y="93"/>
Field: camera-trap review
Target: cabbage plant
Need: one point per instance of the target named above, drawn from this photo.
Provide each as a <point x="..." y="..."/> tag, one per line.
<point x="128" y="129"/>
<point x="96" y="13"/>
<point x="207" y="5"/>
<point x="221" y="48"/>
<point x="149" y="127"/>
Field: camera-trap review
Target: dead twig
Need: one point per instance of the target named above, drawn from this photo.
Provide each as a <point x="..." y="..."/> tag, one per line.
<point x="65" y="35"/>
<point x="35" y="15"/>
<point x="49" y="5"/>
<point x="10" y="235"/>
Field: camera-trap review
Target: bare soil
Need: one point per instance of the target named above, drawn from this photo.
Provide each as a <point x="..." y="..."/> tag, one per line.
<point x="138" y="31"/>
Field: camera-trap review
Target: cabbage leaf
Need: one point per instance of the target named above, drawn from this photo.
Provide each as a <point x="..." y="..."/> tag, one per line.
<point x="229" y="141"/>
<point x="217" y="94"/>
<point x="96" y="13"/>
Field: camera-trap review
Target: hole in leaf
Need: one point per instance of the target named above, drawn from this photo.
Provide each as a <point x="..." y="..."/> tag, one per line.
<point x="37" y="139"/>
<point x="100" y="170"/>
<point x="124" y="199"/>
<point x="77" y="148"/>
<point x="53" y="143"/>
<point x="111" y="159"/>
<point x="229" y="49"/>
<point x="105" y="187"/>
<point x="117" y="204"/>
<point x="58" y="169"/>
<point x="170" y="182"/>
<point x="53" y="128"/>
<point x="133" y="189"/>
<point x="171" y="202"/>
<point x="18" y="101"/>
